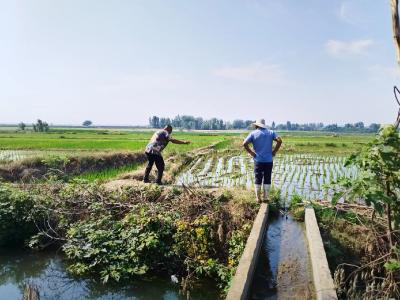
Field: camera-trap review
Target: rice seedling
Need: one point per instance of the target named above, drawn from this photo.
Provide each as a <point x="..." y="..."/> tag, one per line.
<point x="107" y="173"/>
<point x="7" y="156"/>
<point x="302" y="174"/>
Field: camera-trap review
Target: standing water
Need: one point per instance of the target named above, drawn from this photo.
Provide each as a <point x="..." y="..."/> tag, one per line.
<point x="283" y="270"/>
<point x="301" y="174"/>
<point x="47" y="272"/>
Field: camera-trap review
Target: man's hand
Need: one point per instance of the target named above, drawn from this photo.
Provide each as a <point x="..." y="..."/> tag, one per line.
<point x="175" y="141"/>
<point x="250" y="151"/>
<point x="278" y="141"/>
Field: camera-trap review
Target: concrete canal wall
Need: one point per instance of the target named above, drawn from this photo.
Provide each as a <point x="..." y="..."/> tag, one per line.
<point x="323" y="282"/>
<point x="322" y="279"/>
<point x="241" y="282"/>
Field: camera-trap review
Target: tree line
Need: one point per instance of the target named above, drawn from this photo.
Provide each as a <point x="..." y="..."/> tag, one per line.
<point x="198" y="123"/>
<point x="39" y="126"/>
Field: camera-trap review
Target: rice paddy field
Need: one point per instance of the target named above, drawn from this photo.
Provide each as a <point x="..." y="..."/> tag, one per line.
<point x="307" y="160"/>
<point x="65" y="140"/>
<point x="99" y="140"/>
<point x="301" y="174"/>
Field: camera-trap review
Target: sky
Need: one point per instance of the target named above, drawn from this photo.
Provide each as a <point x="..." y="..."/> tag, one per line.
<point x="120" y="62"/>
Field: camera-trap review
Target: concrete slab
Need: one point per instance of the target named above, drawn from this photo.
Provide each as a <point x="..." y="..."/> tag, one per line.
<point x="323" y="282"/>
<point x="241" y="282"/>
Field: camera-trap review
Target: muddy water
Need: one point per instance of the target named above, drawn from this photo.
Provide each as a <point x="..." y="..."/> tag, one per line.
<point x="47" y="271"/>
<point x="283" y="270"/>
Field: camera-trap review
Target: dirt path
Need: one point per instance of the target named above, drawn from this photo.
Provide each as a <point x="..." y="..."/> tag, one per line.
<point x="119" y="183"/>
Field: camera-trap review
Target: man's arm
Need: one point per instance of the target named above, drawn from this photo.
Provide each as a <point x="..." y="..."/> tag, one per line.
<point x="248" y="149"/>
<point x="175" y="141"/>
<point x="278" y="141"/>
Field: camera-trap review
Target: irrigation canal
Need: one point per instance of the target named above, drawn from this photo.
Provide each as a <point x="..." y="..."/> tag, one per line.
<point x="283" y="269"/>
<point x="283" y="260"/>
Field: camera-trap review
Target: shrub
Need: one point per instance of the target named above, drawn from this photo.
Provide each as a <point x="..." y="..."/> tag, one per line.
<point x="16" y="224"/>
<point x="143" y="229"/>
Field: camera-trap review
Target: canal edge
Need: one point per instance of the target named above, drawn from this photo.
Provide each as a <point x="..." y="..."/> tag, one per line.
<point x="323" y="282"/>
<point x="241" y="282"/>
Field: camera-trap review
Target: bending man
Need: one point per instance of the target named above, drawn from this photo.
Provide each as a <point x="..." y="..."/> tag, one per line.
<point x="262" y="138"/>
<point x="158" y="142"/>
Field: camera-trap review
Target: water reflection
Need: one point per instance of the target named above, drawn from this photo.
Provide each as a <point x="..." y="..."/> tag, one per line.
<point x="302" y="174"/>
<point x="47" y="271"/>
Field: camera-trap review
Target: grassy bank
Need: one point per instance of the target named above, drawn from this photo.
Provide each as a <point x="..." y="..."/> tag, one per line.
<point x="89" y="166"/>
<point x="144" y="229"/>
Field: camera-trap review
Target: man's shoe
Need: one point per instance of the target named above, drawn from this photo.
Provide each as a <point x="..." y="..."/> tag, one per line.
<point x="146" y="180"/>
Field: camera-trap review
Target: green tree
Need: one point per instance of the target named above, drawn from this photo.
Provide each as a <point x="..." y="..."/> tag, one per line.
<point x="22" y="126"/>
<point x="155" y="122"/>
<point x="374" y="127"/>
<point x="238" y="124"/>
<point x="87" y="123"/>
<point x="40" y="126"/>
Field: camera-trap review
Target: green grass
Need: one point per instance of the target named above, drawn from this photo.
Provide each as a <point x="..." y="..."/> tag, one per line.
<point x="135" y="140"/>
<point x="323" y="143"/>
<point x="107" y="173"/>
<point x="100" y="140"/>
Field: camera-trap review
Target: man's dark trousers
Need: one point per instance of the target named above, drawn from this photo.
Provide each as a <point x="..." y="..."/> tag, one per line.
<point x="159" y="161"/>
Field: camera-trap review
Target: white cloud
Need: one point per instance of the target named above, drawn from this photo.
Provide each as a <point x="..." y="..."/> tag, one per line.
<point x="257" y="72"/>
<point x="342" y="48"/>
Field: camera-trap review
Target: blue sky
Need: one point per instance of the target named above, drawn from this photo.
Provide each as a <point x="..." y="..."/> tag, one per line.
<point x="119" y="62"/>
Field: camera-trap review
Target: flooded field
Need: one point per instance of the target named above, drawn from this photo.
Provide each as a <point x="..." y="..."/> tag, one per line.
<point x="305" y="175"/>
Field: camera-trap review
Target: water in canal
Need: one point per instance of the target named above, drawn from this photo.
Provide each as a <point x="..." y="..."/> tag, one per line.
<point x="47" y="271"/>
<point x="283" y="270"/>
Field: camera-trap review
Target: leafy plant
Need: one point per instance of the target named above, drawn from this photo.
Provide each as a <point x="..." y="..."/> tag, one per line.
<point x="378" y="180"/>
<point x="378" y="185"/>
<point x="295" y="201"/>
<point x="16" y="224"/>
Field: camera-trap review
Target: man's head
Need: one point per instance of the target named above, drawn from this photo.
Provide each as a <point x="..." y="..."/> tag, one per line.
<point x="168" y="128"/>
<point x="259" y="124"/>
